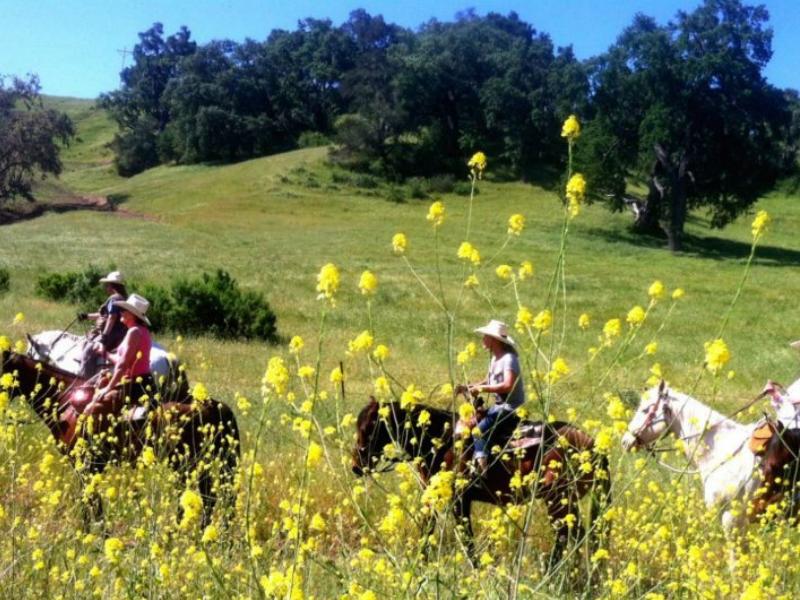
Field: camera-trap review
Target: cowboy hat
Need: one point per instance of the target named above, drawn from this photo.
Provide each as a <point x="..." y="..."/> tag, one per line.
<point x="497" y="330"/>
<point x="136" y="305"/>
<point x="113" y="277"/>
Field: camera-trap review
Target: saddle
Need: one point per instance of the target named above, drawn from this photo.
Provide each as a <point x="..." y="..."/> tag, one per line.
<point x="761" y="436"/>
<point x="510" y="434"/>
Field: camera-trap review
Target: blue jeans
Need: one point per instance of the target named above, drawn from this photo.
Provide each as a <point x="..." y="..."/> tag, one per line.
<point x="496" y="412"/>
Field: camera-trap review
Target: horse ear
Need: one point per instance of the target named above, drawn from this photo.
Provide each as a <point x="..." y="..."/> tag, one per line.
<point x="372" y="401"/>
<point x="662" y="386"/>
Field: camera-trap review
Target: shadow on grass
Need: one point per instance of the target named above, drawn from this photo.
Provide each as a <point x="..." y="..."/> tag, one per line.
<point x="711" y="247"/>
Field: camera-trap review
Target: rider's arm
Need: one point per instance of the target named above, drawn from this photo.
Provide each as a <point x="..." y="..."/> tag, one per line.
<point x="502" y="387"/>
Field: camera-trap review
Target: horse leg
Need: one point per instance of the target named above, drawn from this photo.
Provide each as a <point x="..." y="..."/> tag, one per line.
<point x="462" y="510"/>
<point x="562" y="510"/>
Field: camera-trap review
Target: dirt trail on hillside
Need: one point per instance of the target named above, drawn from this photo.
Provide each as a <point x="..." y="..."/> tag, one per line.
<point x="28" y="211"/>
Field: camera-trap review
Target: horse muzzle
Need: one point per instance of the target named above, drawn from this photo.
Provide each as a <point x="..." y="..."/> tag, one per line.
<point x="630" y="441"/>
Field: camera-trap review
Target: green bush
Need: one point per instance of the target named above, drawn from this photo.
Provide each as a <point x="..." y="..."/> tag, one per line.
<point x="76" y="287"/>
<point x="440" y="184"/>
<point x="416" y="188"/>
<point x="464" y="188"/>
<point x="395" y="194"/>
<point x="312" y="139"/>
<point x="5" y="280"/>
<point x="213" y="304"/>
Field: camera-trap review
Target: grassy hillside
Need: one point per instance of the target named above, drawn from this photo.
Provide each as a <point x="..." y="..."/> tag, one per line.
<point x="273" y="222"/>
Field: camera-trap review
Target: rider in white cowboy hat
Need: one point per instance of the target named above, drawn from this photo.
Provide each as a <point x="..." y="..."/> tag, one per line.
<point x="108" y="330"/>
<point x="503" y="381"/>
<point x="130" y="380"/>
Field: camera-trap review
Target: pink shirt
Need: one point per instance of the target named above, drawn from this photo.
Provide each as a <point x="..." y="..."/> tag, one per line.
<point x="141" y="354"/>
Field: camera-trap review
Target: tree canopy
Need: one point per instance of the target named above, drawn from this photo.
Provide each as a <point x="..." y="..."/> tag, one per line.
<point x="29" y="137"/>
<point x="682" y="107"/>
<point x="685" y="108"/>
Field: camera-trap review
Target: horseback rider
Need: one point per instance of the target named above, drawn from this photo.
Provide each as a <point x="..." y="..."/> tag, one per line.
<point x="503" y="381"/>
<point x="108" y="331"/>
<point x="130" y="380"/>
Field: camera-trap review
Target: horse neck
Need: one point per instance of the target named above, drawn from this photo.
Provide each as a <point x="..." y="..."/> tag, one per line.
<point x="29" y="377"/>
<point x="706" y="433"/>
<point x="435" y="429"/>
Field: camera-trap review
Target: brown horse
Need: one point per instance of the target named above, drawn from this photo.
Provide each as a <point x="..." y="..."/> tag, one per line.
<point x="200" y="438"/>
<point x="551" y="469"/>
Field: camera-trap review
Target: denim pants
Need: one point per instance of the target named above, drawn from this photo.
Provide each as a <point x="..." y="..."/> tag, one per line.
<point x="496" y="412"/>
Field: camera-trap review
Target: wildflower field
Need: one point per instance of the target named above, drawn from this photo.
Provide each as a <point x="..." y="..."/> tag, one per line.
<point x="381" y="298"/>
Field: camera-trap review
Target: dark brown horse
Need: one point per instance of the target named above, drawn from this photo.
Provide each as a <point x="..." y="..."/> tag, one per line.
<point x="201" y="437"/>
<point x="559" y="470"/>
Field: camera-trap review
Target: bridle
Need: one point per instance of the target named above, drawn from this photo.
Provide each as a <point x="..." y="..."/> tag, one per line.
<point x="652" y="418"/>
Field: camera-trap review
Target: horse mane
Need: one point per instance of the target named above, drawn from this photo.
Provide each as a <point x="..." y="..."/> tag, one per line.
<point x="49" y="368"/>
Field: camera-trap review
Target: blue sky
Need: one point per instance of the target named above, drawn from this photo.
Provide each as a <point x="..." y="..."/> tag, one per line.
<point x="73" y="44"/>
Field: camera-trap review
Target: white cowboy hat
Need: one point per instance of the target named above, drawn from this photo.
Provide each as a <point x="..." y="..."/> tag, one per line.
<point x="136" y="305"/>
<point x="113" y="277"/>
<point x="795" y="345"/>
<point x="497" y="330"/>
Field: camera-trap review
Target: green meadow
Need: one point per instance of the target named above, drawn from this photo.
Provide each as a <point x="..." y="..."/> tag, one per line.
<point x="272" y="223"/>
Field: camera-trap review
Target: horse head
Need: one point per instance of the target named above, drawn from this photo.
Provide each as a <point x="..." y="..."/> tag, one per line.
<point x="652" y="419"/>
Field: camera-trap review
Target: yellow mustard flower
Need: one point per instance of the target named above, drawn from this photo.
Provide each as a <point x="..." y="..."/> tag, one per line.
<point x="277" y="375"/>
<point x="399" y="243"/>
<point x="112" y="548"/>
<point x="717" y="355"/>
<point x="576" y="192"/>
<point x="543" y="320"/>
<point x="516" y="223"/>
<point x="471" y="281"/>
<point x="381" y="352"/>
<point x="19" y="318"/>
<point x="436" y="213"/>
<point x="571" y="128"/>
<point x="315" y="454"/>
<point x="362" y="342"/>
<point x="328" y="281"/>
<point x="678" y="294"/>
<point x="584" y="321"/>
<point x="656" y="290"/>
<point x="636" y="316"/>
<point x="296" y="344"/>
<point x="760" y="223"/>
<point x="477" y="164"/>
<point x="504" y="271"/>
<point x="368" y="283"/>
<point x="525" y="269"/>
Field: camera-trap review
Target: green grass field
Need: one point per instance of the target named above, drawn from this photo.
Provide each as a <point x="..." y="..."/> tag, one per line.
<point x="273" y="222"/>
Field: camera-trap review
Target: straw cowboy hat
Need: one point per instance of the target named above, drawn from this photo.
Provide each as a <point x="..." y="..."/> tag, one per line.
<point x="497" y="330"/>
<point x="136" y="305"/>
<point x="113" y="277"/>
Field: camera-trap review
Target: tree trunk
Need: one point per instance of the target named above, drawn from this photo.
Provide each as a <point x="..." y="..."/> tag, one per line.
<point x="673" y="218"/>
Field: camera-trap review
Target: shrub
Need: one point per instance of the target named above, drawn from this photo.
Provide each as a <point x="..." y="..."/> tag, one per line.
<point x="366" y="182"/>
<point x="416" y="188"/>
<point x="440" y="184"/>
<point x="77" y="287"/>
<point x="5" y="280"/>
<point x="212" y="304"/>
<point x="312" y="139"/>
<point x="464" y="188"/>
<point x="395" y="194"/>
